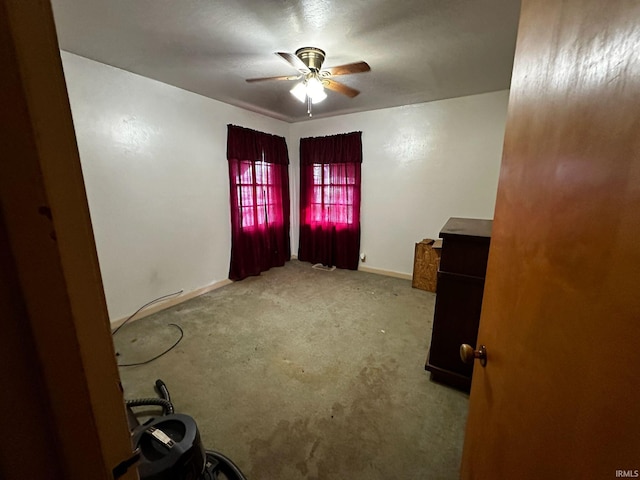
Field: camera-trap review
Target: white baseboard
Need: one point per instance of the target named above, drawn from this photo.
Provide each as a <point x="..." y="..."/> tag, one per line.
<point x="170" y="302"/>
<point x="388" y="273"/>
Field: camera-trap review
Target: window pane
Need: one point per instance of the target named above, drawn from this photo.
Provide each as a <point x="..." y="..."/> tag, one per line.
<point x="246" y="173"/>
<point x="245" y="196"/>
<point x="269" y="172"/>
<point x="272" y="196"/>
<point x="317" y="194"/>
<point x="317" y="174"/>
<point x="316" y="212"/>
<point x="326" y="197"/>
<point x="262" y="214"/>
<point x="260" y="195"/>
<point x="260" y="173"/>
<point x="248" y="219"/>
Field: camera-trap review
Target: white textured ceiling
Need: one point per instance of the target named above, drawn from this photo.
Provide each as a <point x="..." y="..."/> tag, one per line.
<point x="418" y="50"/>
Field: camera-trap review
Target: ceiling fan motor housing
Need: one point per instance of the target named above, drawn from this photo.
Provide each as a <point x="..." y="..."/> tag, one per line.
<point x="312" y="57"/>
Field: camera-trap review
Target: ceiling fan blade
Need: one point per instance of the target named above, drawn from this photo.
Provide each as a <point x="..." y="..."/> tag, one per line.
<point x="340" y="88"/>
<point x="284" y="77"/>
<point x="358" y="67"/>
<point x="294" y="61"/>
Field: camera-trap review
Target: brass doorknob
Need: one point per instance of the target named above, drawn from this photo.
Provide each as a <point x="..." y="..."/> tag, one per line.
<point x="468" y="354"/>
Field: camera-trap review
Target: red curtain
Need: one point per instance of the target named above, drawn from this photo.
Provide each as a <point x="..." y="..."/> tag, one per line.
<point x="259" y="197"/>
<point x="330" y="200"/>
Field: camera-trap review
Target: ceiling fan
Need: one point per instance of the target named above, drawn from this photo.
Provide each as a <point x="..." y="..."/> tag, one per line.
<point x="308" y="61"/>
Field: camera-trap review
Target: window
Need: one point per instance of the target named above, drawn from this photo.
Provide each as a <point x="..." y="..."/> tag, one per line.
<point x="333" y="193"/>
<point x="330" y="200"/>
<point x="259" y="201"/>
<point x="257" y="195"/>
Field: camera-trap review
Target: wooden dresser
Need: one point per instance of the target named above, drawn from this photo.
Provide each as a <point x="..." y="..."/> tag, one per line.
<point x="463" y="264"/>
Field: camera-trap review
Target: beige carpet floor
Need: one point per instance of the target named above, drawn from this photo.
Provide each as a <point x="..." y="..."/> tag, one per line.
<point x="306" y="374"/>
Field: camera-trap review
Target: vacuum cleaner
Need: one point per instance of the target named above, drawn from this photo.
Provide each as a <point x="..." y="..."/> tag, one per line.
<point x="170" y="448"/>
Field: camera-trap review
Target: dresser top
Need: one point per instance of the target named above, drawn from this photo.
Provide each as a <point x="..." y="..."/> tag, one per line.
<point x="467" y="227"/>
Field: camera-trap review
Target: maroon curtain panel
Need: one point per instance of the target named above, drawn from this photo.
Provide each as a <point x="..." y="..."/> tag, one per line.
<point x="330" y="200"/>
<point x="259" y="198"/>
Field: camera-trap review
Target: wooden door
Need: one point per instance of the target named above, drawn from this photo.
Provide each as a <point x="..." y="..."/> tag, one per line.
<point x="61" y="404"/>
<point x="559" y="397"/>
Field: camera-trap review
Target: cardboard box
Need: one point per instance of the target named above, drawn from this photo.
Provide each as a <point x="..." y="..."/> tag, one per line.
<point x="426" y="263"/>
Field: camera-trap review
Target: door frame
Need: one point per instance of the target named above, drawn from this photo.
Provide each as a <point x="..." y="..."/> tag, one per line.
<point x="66" y="414"/>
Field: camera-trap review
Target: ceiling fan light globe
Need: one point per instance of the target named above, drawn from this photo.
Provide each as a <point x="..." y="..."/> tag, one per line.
<point x="318" y="96"/>
<point x="300" y="92"/>
<point x="314" y="86"/>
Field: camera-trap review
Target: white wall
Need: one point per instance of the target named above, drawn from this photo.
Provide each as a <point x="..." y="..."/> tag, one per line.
<point x="154" y="163"/>
<point x="421" y="165"/>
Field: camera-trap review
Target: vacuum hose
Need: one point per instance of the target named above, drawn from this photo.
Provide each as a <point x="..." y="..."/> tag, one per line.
<point x="164" y="393"/>
<point x="164" y="402"/>
<point x="166" y="405"/>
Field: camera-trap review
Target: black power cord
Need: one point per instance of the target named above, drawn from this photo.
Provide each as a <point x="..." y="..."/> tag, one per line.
<point x="143" y="307"/>
<point x="173" y="324"/>
<point x="160" y="354"/>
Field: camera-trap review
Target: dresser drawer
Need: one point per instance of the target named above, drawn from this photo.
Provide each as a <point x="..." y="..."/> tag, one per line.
<point x="465" y="256"/>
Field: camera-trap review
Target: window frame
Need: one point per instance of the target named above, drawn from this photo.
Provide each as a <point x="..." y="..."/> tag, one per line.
<point x="260" y="193"/>
<point x="321" y="199"/>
